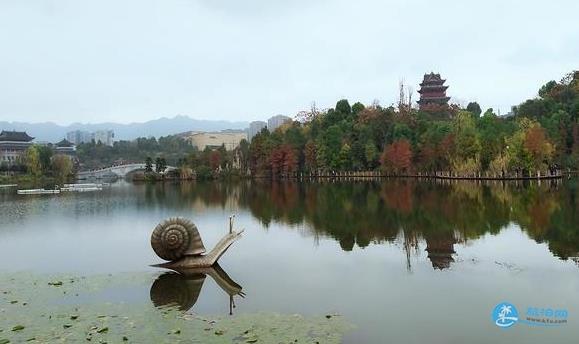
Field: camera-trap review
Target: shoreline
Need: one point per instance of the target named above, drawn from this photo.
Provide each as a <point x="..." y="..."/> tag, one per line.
<point x="15" y="181"/>
<point x="430" y="177"/>
<point x="361" y="176"/>
<point x="380" y="175"/>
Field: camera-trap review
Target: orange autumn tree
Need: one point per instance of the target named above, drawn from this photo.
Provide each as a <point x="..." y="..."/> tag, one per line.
<point x="397" y="157"/>
<point x="311" y="156"/>
<point x="283" y="161"/>
<point x="538" y="147"/>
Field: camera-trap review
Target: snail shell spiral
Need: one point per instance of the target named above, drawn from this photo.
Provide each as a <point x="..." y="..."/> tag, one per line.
<point x="176" y="237"/>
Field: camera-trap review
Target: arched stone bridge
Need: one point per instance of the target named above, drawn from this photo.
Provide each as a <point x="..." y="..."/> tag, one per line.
<point x="118" y="171"/>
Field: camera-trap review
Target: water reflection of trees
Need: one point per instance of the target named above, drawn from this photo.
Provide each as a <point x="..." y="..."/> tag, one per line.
<point x="436" y="215"/>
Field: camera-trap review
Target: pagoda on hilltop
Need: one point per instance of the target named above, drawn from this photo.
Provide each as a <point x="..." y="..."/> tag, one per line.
<point x="432" y="91"/>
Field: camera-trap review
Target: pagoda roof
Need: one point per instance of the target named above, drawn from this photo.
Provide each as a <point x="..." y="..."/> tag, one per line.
<point x="18" y="136"/>
<point x="427" y="88"/>
<point x="432" y="79"/>
<point x="65" y="143"/>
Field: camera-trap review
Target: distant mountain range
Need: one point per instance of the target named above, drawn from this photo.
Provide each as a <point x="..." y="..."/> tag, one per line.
<point x="52" y="132"/>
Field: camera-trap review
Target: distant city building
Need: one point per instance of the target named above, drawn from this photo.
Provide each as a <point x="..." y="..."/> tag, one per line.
<point x="77" y="137"/>
<point x="106" y="137"/>
<point x="432" y="90"/>
<point x="13" y="146"/>
<point x="276" y="121"/>
<point x="65" y="147"/>
<point x="256" y="127"/>
<point x="229" y="138"/>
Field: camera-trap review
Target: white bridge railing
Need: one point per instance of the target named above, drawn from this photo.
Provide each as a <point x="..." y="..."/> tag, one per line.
<point x="117" y="170"/>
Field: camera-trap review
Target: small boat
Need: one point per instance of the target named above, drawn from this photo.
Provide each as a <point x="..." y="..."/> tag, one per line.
<point x="6" y="186"/>
<point x="81" y="189"/>
<point x="38" y="192"/>
<point x="86" y="185"/>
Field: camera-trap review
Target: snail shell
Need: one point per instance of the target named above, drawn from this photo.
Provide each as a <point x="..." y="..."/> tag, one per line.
<point x="175" y="238"/>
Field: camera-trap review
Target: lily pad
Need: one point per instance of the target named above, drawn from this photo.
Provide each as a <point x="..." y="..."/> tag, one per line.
<point x="252" y="339"/>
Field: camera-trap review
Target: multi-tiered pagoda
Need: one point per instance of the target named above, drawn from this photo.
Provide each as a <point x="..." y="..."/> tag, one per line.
<point x="432" y="91"/>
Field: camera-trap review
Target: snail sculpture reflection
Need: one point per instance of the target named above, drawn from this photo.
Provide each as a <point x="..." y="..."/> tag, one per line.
<point x="182" y="289"/>
<point x="178" y="241"/>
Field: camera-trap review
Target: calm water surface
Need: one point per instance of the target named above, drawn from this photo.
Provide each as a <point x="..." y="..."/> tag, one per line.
<point x="405" y="261"/>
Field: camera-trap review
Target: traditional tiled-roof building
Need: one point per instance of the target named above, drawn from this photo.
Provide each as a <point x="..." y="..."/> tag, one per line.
<point x="65" y="147"/>
<point x="13" y="145"/>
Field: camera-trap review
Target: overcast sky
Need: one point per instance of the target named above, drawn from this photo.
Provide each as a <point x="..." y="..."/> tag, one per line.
<point x="124" y="61"/>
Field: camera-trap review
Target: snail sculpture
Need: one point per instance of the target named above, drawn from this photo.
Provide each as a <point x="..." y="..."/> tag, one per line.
<point x="178" y="241"/>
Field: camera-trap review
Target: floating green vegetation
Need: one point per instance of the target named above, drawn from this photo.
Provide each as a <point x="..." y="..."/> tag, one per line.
<point x="73" y="309"/>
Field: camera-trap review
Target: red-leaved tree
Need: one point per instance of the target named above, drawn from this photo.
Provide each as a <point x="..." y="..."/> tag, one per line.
<point x="283" y="161"/>
<point x="214" y="159"/>
<point x="397" y="157"/>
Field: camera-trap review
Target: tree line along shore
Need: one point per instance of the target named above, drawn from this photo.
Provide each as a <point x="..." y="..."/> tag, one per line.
<point x="538" y="139"/>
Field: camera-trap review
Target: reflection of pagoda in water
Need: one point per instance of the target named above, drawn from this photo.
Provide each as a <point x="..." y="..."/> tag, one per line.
<point x="440" y="251"/>
<point x="440" y="248"/>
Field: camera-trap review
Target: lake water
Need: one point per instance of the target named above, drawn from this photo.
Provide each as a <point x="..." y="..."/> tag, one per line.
<point x="403" y="261"/>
